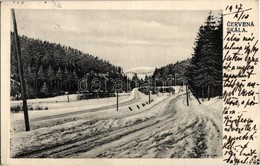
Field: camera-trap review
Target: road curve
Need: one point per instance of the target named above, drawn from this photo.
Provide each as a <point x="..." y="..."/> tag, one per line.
<point x="169" y="129"/>
<point x="67" y="116"/>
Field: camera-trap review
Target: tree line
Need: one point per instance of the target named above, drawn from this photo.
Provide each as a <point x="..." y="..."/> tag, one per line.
<point x="50" y="69"/>
<point x="174" y="73"/>
<point x="203" y="72"/>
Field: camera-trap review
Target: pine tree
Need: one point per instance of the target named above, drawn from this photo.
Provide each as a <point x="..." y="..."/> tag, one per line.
<point x="70" y="77"/>
<point x="75" y="78"/>
<point x="41" y="74"/>
<point x="74" y="75"/>
<point x="66" y="78"/>
<point x="59" y="77"/>
<point x="50" y="75"/>
<point x="45" y="90"/>
<point x="205" y="71"/>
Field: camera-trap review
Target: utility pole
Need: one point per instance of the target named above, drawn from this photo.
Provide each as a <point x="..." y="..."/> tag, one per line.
<point x="208" y="92"/>
<point x="117" y="98"/>
<point x="149" y="96"/>
<point x="187" y="94"/>
<point x="202" y="94"/>
<point x="20" y="68"/>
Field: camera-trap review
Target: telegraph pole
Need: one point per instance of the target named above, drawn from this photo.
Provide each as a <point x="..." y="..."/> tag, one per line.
<point x="117" y="98"/>
<point x="20" y="68"/>
<point x="187" y="94"/>
<point x="149" y="96"/>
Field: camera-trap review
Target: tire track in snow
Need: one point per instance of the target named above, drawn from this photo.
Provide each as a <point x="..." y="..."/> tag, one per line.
<point x="37" y="122"/>
<point x="127" y="144"/>
<point x="175" y="132"/>
<point x="82" y="142"/>
<point x="192" y="138"/>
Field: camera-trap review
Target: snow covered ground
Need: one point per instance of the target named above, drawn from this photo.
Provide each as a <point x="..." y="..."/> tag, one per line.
<point x="165" y="128"/>
<point x="65" y="107"/>
<point x="62" y="98"/>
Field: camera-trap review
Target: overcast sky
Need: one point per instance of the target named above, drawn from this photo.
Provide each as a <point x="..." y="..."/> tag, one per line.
<point x="126" y="38"/>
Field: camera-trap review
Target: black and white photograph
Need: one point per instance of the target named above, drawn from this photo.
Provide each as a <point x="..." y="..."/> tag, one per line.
<point x="116" y="83"/>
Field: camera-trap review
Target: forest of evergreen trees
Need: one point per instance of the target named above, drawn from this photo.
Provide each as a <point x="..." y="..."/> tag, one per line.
<point x="170" y="72"/>
<point x="51" y="69"/>
<point x="203" y="72"/>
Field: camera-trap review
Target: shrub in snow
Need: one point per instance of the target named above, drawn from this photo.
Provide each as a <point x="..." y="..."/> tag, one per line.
<point x="15" y="109"/>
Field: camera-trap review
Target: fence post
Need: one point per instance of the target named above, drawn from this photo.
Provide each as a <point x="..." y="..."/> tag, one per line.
<point x="149" y="96"/>
<point x="187" y="94"/>
<point x="208" y="92"/>
<point x="117" y="100"/>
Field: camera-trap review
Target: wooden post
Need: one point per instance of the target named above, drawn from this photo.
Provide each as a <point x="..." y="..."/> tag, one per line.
<point x="187" y="95"/>
<point x="68" y="98"/>
<point x="20" y="68"/>
<point x="149" y="96"/>
<point x="117" y="100"/>
<point x="36" y="86"/>
<point x="208" y="92"/>
<point x="202" y="93"/>
<point x="194" y="93"/>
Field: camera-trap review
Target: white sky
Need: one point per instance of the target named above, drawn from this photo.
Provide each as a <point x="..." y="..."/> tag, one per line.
<point x="126" y="38"/>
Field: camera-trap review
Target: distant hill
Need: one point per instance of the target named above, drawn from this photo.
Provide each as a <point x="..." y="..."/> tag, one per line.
<point x="51" y="68"/>
<point x="177" y="69"/>
<point x="140" y="71"/>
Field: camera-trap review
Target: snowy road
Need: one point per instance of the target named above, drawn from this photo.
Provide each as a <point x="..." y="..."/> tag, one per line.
<point x="166" y="128"/>
<point x="72" y="109"/>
